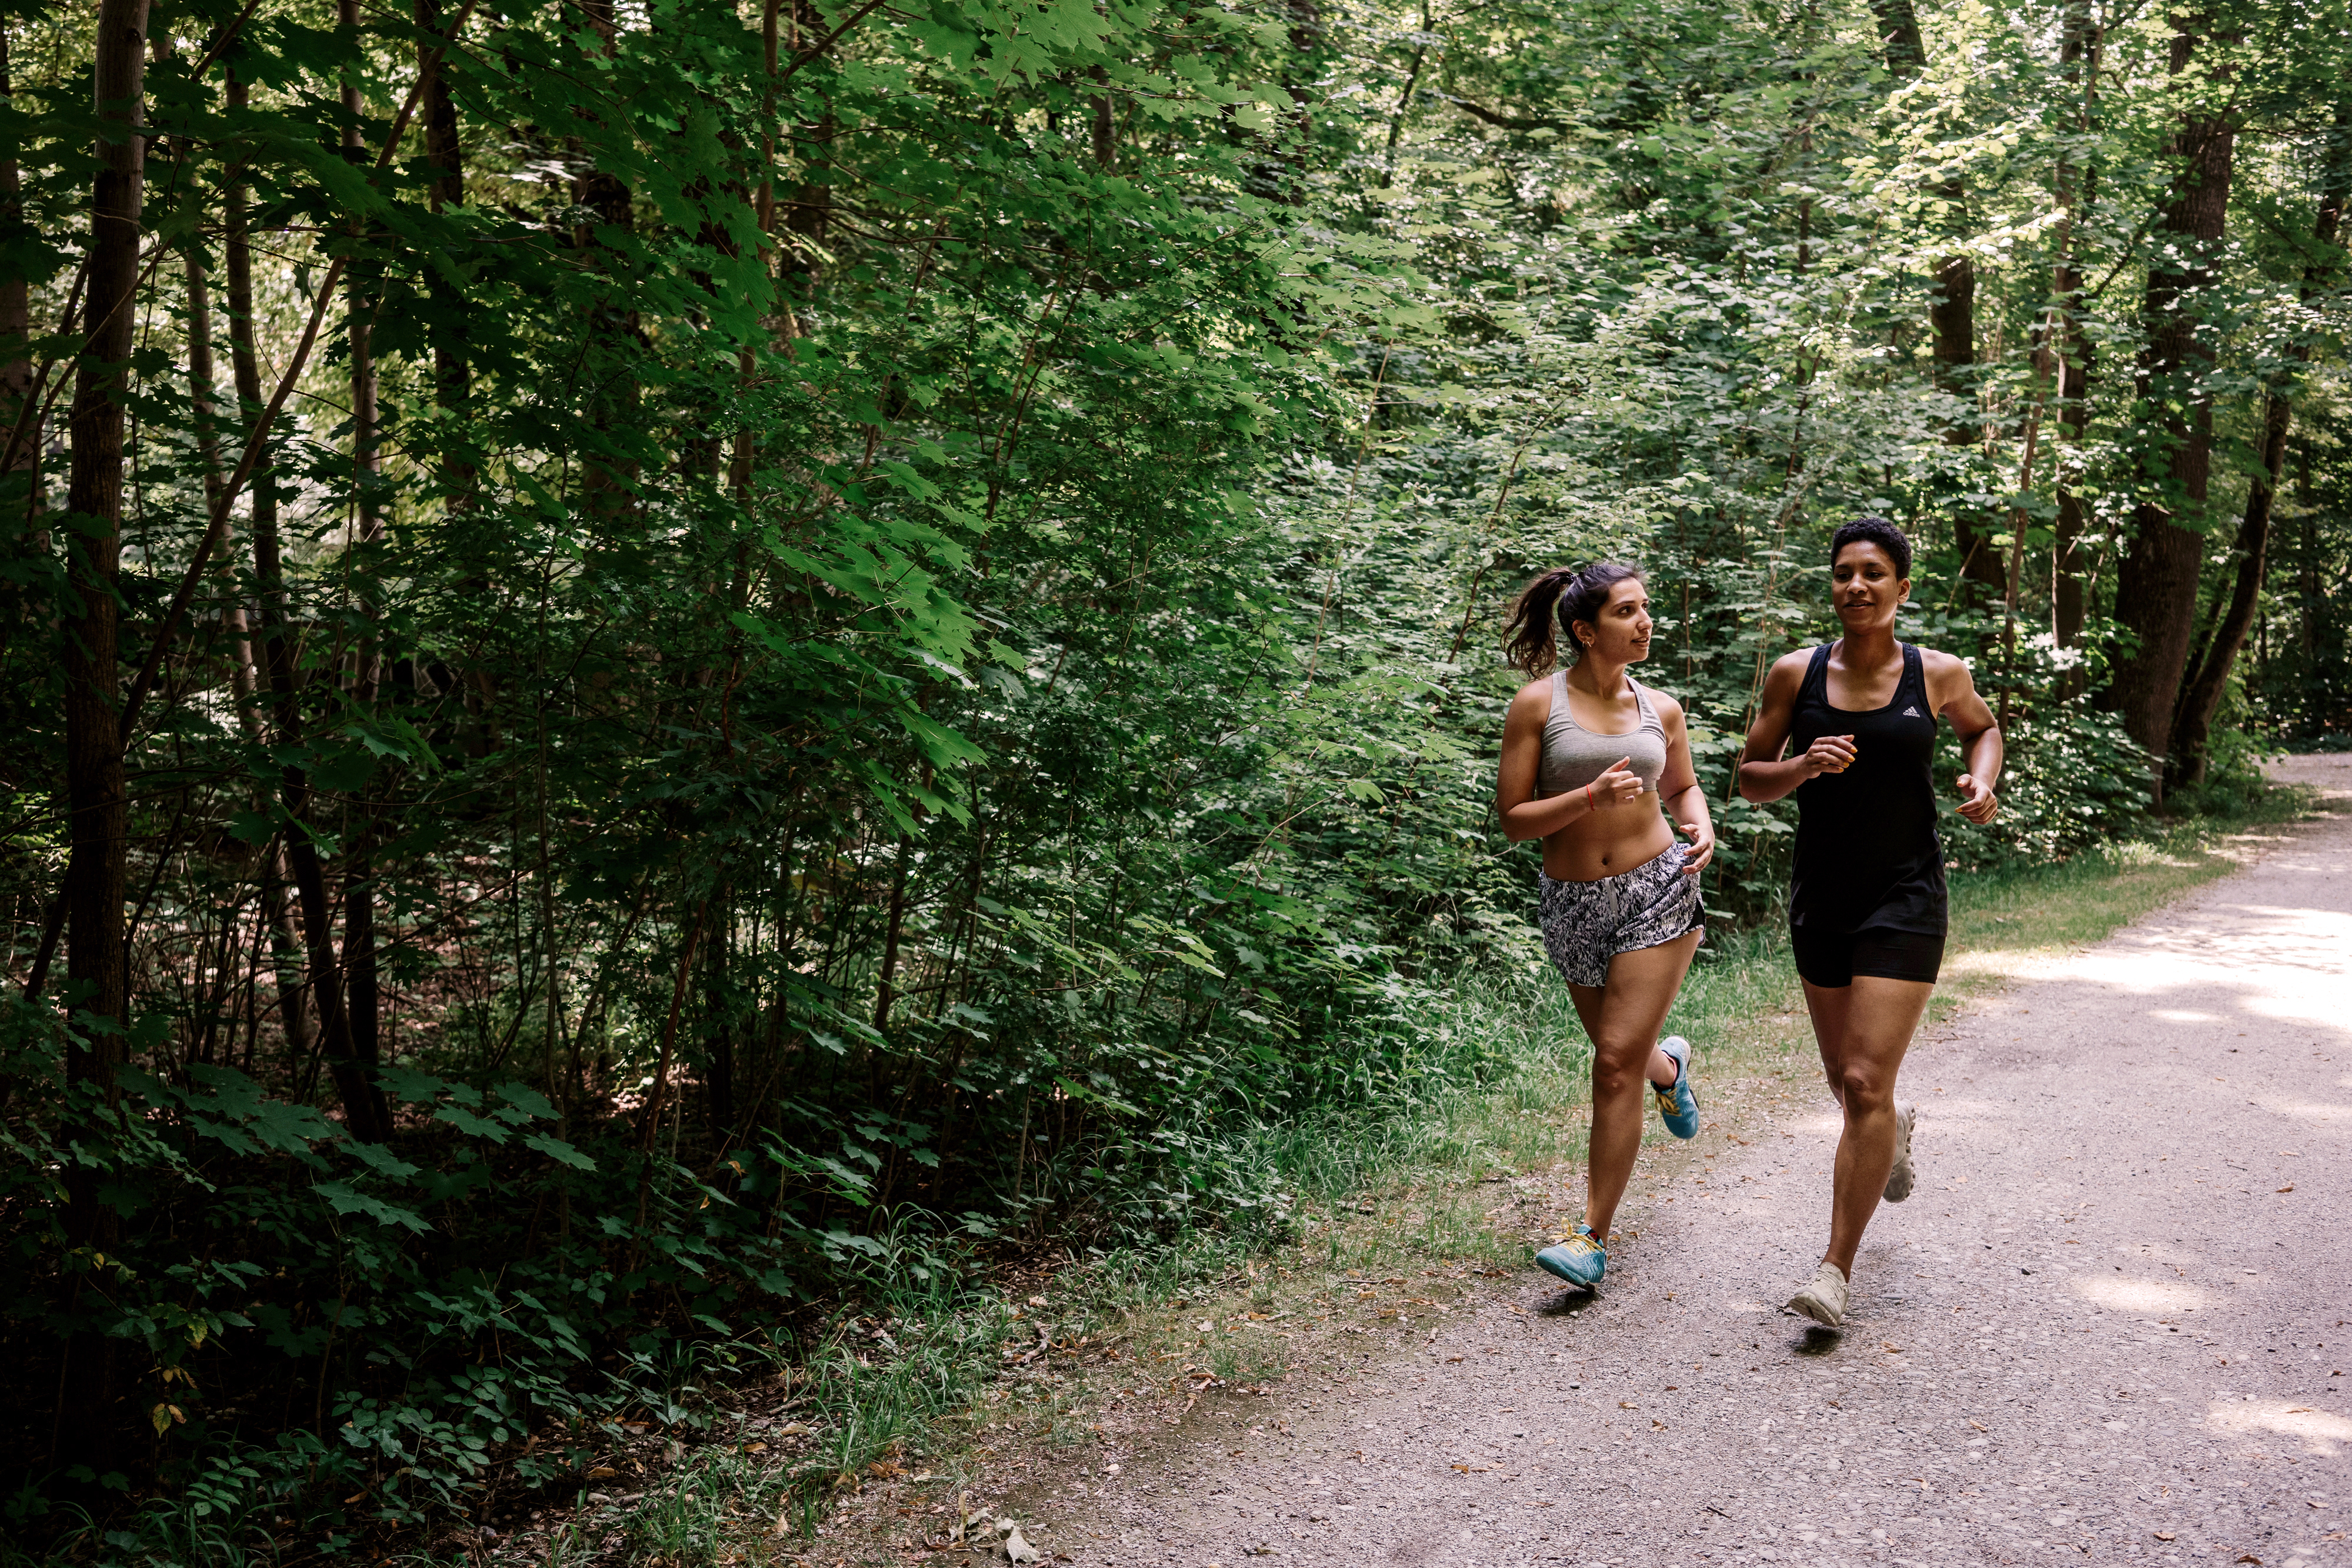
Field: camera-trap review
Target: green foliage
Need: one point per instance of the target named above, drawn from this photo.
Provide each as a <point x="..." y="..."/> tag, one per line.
<point x="911" y="669"/>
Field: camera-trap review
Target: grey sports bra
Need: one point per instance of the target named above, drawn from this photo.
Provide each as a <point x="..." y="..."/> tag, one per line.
<point x="1574" y="756"/>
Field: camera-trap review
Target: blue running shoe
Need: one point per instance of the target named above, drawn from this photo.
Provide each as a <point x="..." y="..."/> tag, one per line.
<point x="1678" y="1106"/>
<point x="1580" y="1259"/>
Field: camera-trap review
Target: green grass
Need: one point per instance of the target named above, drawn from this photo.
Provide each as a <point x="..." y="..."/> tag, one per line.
<point x="1407" y="1201"/>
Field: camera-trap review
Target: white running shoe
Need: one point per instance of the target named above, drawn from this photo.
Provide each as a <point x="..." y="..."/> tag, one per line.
<point x="1824" y="1300"/>
<point x="1898" y="1180"/>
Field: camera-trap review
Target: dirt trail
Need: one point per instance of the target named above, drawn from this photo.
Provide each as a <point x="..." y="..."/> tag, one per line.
<point x="2115" y="1322"/>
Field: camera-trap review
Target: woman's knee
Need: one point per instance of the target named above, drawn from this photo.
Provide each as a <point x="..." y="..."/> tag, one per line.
<point x="1863" y="1087"/>
<point x="1616" y="1071"/>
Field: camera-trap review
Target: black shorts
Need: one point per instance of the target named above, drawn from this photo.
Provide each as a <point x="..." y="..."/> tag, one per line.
<point x="1833" y="958"/>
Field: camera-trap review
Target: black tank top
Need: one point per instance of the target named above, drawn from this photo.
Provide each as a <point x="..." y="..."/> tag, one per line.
<point x="1868" y="852"/>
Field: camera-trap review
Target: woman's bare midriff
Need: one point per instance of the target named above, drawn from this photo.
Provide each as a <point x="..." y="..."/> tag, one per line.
<point x="1609" y="842"/>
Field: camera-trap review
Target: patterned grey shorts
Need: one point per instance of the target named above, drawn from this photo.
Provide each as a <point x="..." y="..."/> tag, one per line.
<point x="1586" y="924"/>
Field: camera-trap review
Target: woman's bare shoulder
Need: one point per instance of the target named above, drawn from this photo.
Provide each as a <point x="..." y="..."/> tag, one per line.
<point x="1936" y="662"/>
<point x="1946" y="671"/>
<point x="1532" y="702"/>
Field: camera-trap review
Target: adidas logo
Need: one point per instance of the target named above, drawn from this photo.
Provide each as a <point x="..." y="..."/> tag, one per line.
<point x="1910" y="713"/>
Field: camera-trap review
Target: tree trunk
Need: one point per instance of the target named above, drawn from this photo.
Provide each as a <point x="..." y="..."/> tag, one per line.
<point x="1951" y="309"/>
<point x="96" y="790"/>
<point x="808" y="217"/>
<point x="96" y="868"/>
<point x="1106" y="128"/>
<point x="1404" y="98"/>
<point x="285" y="963"/>
<point x="204" y="397"/>
<point x="2155" y="586"/>
<point x="2311" y="597"/>
<point x="1307" y="42"/>
<point x="284" y="945"/>
<point x="437" y="111"/>
<point x="2077" y="358"/>
<point x="451" y="372"/>
<point x="16" y="314"/>
<point x="2079" y="54"/>
<point x="276" y="920"/>
<point x="364" y="1106"/>
<point x="364" y="993"/>
<point x="613" y="331"/>
<point x="718" y="1013"/>
<point x="2192" y="728"/>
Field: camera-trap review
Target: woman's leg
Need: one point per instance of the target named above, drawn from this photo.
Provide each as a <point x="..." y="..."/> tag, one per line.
<point x="1864" y="1029"/>
<point x="1622" y="1018"/>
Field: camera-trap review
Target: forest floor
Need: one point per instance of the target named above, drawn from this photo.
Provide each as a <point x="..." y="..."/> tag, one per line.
<point x="2058" y="1350"/>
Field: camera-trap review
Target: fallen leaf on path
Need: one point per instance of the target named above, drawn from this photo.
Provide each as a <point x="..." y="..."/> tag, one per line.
<point x="2288" y="1187"/>
<point x="1627" y="1405"/>
<point x="1018" y="1551"/>
<point x="2164" y="1535"/>
<point x="2249" y="1557"/>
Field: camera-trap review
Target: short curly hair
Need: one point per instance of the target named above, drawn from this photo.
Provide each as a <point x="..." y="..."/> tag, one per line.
<point x="1877" y="531"/>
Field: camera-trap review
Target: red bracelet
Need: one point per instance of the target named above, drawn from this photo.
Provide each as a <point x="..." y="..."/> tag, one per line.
<point x="1588" y="795"/>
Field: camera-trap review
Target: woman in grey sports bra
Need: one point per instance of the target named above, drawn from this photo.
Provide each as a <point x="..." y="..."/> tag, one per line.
<point x="1593" y="762"/>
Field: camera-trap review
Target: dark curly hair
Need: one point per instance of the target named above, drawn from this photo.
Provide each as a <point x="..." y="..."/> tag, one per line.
<point x="1877" y="531"/>
<point x="1560" y="597"/>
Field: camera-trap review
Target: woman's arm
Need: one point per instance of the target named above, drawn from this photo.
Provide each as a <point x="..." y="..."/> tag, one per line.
<point x="1678" y="790"/>
<point x="1954" y="692"/>
<point x="1764" y="774"/>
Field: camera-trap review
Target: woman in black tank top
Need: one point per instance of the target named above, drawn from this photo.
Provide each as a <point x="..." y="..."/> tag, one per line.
<point x="1867" y="855"/>
<point x="1866" y="898"/>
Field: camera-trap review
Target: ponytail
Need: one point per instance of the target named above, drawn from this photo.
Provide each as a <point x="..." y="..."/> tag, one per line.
<point x="1529" y="642"/>
<point x="1560" y="597"/>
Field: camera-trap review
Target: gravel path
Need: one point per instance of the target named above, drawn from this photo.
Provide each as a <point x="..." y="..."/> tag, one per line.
<point x="2115" y="1322"/>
